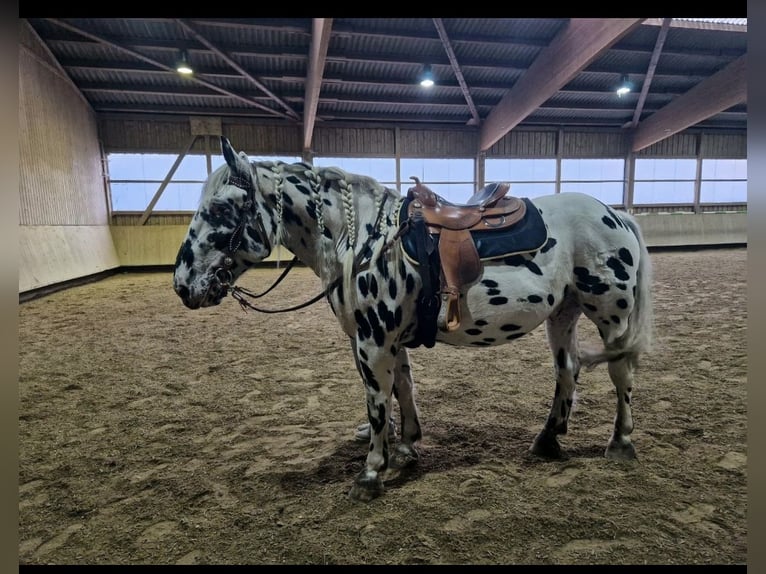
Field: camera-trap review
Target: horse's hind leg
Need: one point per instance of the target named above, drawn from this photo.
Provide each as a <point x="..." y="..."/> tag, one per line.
<point x="404" y="388"/>
<point x="561" y="328"/>
<point x="620" y="446"/>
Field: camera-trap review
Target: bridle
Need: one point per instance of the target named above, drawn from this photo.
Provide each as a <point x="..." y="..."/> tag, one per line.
<point x="224" y="275"/>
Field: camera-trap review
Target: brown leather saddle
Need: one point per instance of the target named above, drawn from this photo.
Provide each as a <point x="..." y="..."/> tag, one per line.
<point x="489" y="209"/>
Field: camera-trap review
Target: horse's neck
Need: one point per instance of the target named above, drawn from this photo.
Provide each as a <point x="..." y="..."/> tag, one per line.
<point x="321" y="227"/>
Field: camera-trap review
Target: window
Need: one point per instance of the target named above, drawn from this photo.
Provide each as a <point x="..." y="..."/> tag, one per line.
<point x="603" y="179"/>
<point x="527" y="177"/>
<point x="382" y="169"/>
<point x="135" y="178"/>
<point x="724" y="181"/>
<point x="453" y="179"/>
<point x="664" y="181"/>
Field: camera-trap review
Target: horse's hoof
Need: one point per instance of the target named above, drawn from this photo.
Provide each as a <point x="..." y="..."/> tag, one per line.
<point x="403" y="458"/>
<point x="546" y="446"/>
<point x="616" y="450"/>
<point x="366" y="488"/>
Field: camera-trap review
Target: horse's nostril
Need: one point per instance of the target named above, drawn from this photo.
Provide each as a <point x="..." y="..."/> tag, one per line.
<point x="183" y="292"/>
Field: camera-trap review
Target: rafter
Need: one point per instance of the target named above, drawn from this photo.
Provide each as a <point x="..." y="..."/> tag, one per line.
<point x="580" y="42"/>
<point x="475" y="118"/>
<point x="189" y="27"/>
<point x="320" y="40"/>
<point x="721" y="91"/>
<point x="650" y="70"/>
<point x="154" y="62"/>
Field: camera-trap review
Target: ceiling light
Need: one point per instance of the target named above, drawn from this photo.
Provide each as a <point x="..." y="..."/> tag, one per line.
<point x="427" y="76"/>
<point x="183" y="67"/>
<point x="624" y="87"/>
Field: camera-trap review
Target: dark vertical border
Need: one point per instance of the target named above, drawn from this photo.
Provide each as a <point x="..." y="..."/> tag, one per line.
<point x="756" y="279"/>
<point x="9" y="208"/>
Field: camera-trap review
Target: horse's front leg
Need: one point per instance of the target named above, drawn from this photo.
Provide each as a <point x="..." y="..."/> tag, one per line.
<point x="404" y="389"/>
<point x="376" y="364"/>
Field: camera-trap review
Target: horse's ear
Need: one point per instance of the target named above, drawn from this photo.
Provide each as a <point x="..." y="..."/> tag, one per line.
<point x="228" y="153"/>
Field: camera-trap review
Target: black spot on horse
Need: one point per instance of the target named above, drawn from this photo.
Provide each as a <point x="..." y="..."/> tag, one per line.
<point x="386" y="316"/>
<point x="480" y="343"/>
<point x="491" y="292"/>
<point x="615" y="217"/>
<point x="410" y="284"/>
<point x="473" y="331"/>
<point x="590" y="307"/>
<point x="513" y="336"/>
<point x="185" y="254"/>
<point x="622" y="303"/>
<point x="498" y="300"/>
<point x="363" y="288"/>
<point x="373" y="286"/>
<point x="514" y="260"/>
<point x="625" y="256"/>
<point x="550" y="244"/>
<point x="609" y="222"/>
<point x="551" y="299"/>
<point x="489" y="283"/>
<point x="619" y="270"/>
<point x="364" y="330"/>
<point x="402" y="270"/>
<point x="510" y="327"/>
<point x="615" y="319"/>
<point x="480" y="322"/>
<point x="534" y="298"/>
<point x="377" y="329"/>
<point x="589" y="283"/>
<point x="392" y="288"/>
<point x="327" y="233"/>
<point x="533" y="267"/>
<point x="369" y="377"/>
<point x="489" y="339"/>
<point x="290" y="217"/>
<point x="380" y="263"/>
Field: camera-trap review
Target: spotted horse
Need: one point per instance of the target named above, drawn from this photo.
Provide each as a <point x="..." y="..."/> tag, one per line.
<point x="352" y="232"/>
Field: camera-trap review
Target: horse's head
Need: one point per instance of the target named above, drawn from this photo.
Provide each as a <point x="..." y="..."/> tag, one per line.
<point x="226" y="235"/>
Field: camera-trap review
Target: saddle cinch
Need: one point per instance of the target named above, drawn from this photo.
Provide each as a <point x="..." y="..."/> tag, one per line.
<point x="489" y="209"/>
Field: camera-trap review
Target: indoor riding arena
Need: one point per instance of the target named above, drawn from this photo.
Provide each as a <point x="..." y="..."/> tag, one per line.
<point x="150" y="432"/>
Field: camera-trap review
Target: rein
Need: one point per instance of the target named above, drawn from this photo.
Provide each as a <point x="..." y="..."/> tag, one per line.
<point x="240" y="294"/>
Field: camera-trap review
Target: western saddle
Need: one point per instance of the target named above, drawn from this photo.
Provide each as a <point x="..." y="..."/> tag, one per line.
<point x="489" y="209"/>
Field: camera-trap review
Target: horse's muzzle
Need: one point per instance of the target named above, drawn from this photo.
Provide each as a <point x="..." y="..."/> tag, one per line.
<point x="210" y="297"/>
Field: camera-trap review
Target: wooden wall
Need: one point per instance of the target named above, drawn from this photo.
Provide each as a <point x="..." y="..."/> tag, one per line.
<point x="63" y="213"/>
<point x="171" y="135"/>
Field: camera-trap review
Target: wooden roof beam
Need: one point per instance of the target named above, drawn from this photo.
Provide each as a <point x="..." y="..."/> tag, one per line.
<point x="719" y="92"/>
<point x="578" y="44"/>
<point x="320" y="40"/>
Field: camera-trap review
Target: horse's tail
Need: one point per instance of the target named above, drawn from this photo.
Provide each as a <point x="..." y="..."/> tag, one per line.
<point x="639" y="335"/>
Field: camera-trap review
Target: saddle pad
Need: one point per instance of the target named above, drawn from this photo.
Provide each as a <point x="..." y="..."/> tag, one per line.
<point x="529" y="234"/>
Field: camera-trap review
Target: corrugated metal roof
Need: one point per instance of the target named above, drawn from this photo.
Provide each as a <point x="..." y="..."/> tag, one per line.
<point x="371" y="66"/>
